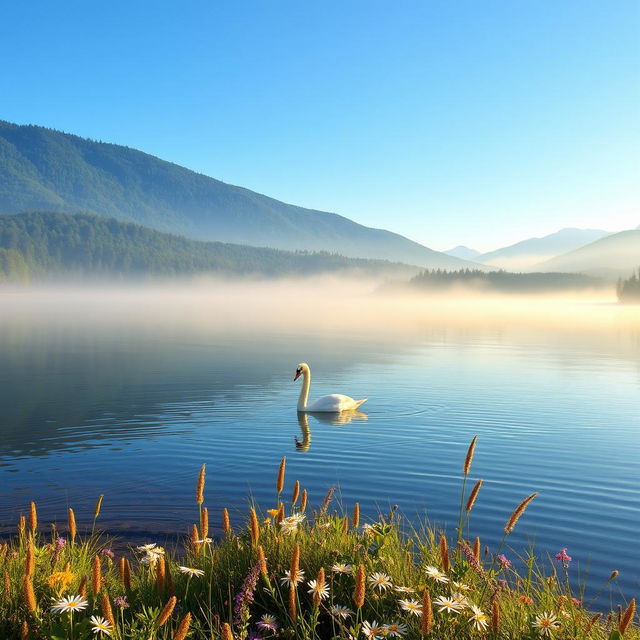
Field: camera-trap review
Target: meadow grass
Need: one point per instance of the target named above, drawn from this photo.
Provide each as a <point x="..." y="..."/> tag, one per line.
<point x="295" y="573"/>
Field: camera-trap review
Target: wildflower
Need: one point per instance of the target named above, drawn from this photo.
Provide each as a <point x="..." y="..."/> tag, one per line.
<point x="290" y="524"/>
<point x="397" y="629"/>
<point x="368" y="529"/>
<point x="108" y="553"/>
<point x="503" y="583"/>
<point x="244" y="598"/>
<point x="60" y="580"/>
<point x="412" y="606"/>
<point x="339" y="567"/>
<point x="460" y="586"/>
<point x="70" y="604"/>
<point x="273" y="512"/>
<point x="146" y="548"/>
<point x="100" y="625"/>
<point x="191" y="572"/>
<point x="399" y="589"/>
<point x="478" y="618"/>
<point x="460" y="598"/>
<point x="317" y="589"/>
<point x="448" y="605"/>
<point x="576" y="602"/>
<point x="546" y="624"/>
<point x="204" y="541"/>
<point x="526" y="599"/>
<point x="340" y="611"/>
<point x="60" y="542"/>
<point x="436" y="574"/>
<point x="297" y="579"/>
<point x="268" y="623"/>
<point x="372" y="630"/>
<point x="121" y="602"/>
<point x="563" y="556"/>
<point x="505" y="563"/>
<point x="380" y="581"/>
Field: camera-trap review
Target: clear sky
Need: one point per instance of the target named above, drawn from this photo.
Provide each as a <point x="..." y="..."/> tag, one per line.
<point x="470" y="122"/>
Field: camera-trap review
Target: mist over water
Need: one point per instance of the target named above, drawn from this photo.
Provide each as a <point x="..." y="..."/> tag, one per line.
<point x="127" y="391"/>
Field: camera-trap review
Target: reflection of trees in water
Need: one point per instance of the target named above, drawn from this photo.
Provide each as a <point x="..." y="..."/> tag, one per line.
<point x="335" y="419"/>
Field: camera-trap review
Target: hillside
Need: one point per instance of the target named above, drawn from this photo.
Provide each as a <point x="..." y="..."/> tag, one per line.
<point x="46" y="169"/>
<point x="527" y="253"/>
<point x="463" y="252"/>
<point x="613" y="256"/>
<point x="49" y="245"/>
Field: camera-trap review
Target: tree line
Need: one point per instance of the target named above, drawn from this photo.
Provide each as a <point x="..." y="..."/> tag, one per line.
<point x="629" y="290"/>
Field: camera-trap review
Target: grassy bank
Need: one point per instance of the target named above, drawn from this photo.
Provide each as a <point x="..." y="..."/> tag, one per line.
<point x="295" y="572"/>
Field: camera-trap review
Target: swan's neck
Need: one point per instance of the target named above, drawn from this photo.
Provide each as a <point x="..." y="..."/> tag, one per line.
<point x="304" y="391"/>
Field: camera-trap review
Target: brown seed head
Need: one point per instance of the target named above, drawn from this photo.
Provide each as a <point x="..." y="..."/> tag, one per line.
<point x="160" y="574"/>
<point x="169" y="580"/>
<point x="262" y="561"/>
<point x="194" y="536"/>
<point x="327" y="501"/>
<point x="614" y="575"/>
<point x="82" y="589"/>
<point x="200" y="485"/>
<point x="30" y="560"/>
<point x="473" y="495"/>
<point x="476" y="548"/>
<point x="280" y="480"/>
<point x="204" y="522"/>
<point x="320" y="584"/>
<point x="295" y="562"/>
<point x="121" y="568"/>
<point x="107" y="611"/>
<point x="358" y="592"/>
<point x="495" y="616"/>
<point x="96" y="511"/>
<point x="518" y="511"/>
<point x="227" y="634"/>
<point x="427" y="613"/>
<point x="183" y="628"/>
<point x="254" y="526"/>
<point x="293" y="612"/>
<point x="127" y="574"/>
<point x="24" y="631"/>
<point x="33" y="517"/>
<point x="444" y="554"/>
<point x="226" y="523"/>
<point x="592" y="622"/>
<point x="71" y="519"/>
<point x="167" y="610"/>
<point x="303" y="501"/>
<point x="627" y="616"/>
<point x="355" y="521"/>
<point x="469" y="457"/>
<point x="296" y="493"/>
<point x="22" y="524"/>
<point x="96" y="576"/>
<point x="345" y="526"/>
<point x="280" y="516"/>
<point x="7" y="586"/>
<point x="29" y="595"/>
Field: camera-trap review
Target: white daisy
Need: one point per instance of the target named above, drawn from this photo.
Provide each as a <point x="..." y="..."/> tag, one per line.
<point x="397" y="629"/>
<point x="436" y="574"/>
<point x="191" y="572"/>
<point x="479" y="619"/>
<point x="546" y="624"/>
<point x="448" y="605"/>
<point x="339" y="567"/>
<point x="147" y="547"/>
<point x="460" y="599"/>
<point x="460" y="586"/>
<point x="339" y="611"/>
<point x="380" y="581"/>
<point x="412" y="606"/>
<point x="299" y="577"/>
<point x="70" y="604"/>
<point x="320" y="590"/>
<point x="268" y="623"/>
<point x="372" y="630"/>
<point x="100" y="625"/>
<point x="404" y="589"/>
<point x="368" y="529"/>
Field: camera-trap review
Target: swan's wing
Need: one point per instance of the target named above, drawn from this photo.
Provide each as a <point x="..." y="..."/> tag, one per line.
<point x="334" y="402"/>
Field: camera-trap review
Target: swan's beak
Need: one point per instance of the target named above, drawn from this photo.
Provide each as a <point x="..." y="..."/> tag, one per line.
<point x="298" y="374"/>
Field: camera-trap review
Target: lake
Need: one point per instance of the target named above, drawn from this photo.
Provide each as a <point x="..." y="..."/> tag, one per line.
<point x="128" y="392"/>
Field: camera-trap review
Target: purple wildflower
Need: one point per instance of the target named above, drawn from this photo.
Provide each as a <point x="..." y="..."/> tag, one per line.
<point x="121" y="602"/>
<point x="244" y="598"/>
<point x="504" y="561"/>
<point x="267" y="623"/>
<point x="563" y="556"/>
<point x="60" y="542"/>
<point x="109" y="553"/>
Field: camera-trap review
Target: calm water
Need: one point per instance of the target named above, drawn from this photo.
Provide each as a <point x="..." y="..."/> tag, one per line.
<point x="93" y="404"/>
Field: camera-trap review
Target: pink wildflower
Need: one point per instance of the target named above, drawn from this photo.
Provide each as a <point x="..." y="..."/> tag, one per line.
<point x="504" y="561"/>
<point x="563" y="556"/>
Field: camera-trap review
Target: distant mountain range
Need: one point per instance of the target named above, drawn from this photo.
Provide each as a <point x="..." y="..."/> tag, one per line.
<point x="524" y="255"/>
<point x="465" y="253"/>
<point x="38" y="246"/>
<point x="615" y="255"/>
<point x="45" y="169"/>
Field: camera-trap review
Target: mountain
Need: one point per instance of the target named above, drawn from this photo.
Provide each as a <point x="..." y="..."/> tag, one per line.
<point x="463" y="252"/>
<point x="527" y="253"/>
<point x="616" y="255"/>
<point x="48" y="245"/>
<point x="46" y="169"/>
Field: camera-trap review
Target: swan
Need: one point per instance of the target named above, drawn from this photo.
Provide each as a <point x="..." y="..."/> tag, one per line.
<point x="333" y="403"/>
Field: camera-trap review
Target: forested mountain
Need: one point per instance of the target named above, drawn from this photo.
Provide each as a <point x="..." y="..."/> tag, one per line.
<point x="46" y="169"/>
<point x="49" y="245"/>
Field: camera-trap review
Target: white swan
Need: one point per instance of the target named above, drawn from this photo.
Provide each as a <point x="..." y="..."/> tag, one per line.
<point x="333" y="403"/>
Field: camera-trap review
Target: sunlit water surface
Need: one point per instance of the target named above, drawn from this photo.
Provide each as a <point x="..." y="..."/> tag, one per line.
<point x="129" y="399"/>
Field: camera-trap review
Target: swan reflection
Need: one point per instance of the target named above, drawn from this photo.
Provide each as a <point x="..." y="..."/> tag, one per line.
<point x="335" y="419"/>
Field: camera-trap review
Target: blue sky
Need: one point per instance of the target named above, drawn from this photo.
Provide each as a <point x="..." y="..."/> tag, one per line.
<point x="469" y="122"/>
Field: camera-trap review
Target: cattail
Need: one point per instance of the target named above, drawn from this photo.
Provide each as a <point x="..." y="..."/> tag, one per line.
<point x="121" y="568"/>
<point x="160" y="574"/>
<point x="627" y="616"/>
<point x="327" y="500"/>
<point x="96" y="576"/>
<point x="303" y="501"/>
<point x="255" y="527"/>
<point x="444" y="554"/>
<point x="33" y="517"/>
<point x="469" y="457"/>
<point x="296" y="493"/>
<point x="183" y="628"/>
<point x="204" y="522"/>
<point x="473" y="495"/>
<point x="518" y="511"/>
<point x="200" y="485"/>
<point x="280" y="480"/>
<point x="226" y="632"/>
<point x="82" y="589"/>
<point x="107" y="611"/>
<point x="194" y="536"/>
<point x="591" y="622"/>
<point x="29" y="595"/>
<point x="71" y="518"/>
<point x="262" y="561"/>
<point x="24" y="631"/>
<point x="96" y="511"/>
<point x="427" y="613"/>
<point x="319" y="585"/>
<point x="358" y="592"/>
<point x="476" y="548"/>
<point x="355" y="521"/>
<point x="30" y="561"/>
<point x="167" y="610"/>
<point x="7" y="585"/>
<point x="22" y="525"/>
<point x="226" y="524"/>
<point x="293" y="613"/>
<point x="495" y="617"/>
<point x="345" y="526"/>
<point x="295" y="563"/>
<point x="280" y="516"/>
<point x="613" y="576"/>
<point x="126" y="577"/>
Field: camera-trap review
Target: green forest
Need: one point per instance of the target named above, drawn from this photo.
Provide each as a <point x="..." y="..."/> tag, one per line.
<point x="45" y="245"/>
<point x="629" y="289"/>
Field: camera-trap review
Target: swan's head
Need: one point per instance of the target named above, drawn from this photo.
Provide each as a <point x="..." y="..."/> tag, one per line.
<point x="301" y="370"/>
